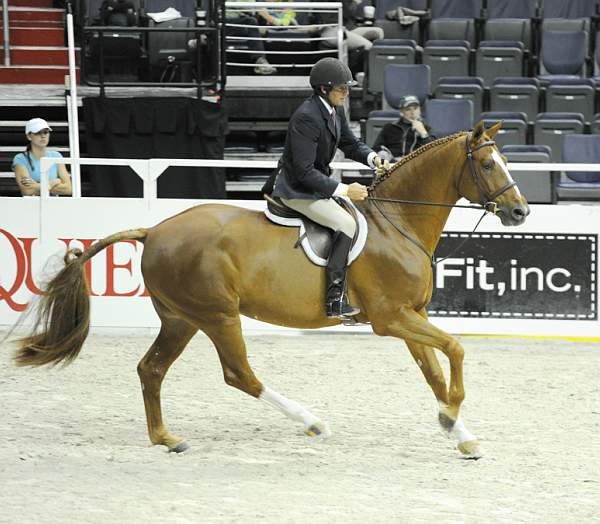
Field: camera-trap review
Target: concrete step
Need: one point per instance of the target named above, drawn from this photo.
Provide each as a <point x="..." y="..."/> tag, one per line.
<point x="40" y="55"/>
<point x="31" y="36"/>
<point x="34" y="74"/>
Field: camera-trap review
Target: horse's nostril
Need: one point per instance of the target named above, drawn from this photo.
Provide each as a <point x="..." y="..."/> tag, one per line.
<point x="518" y="212"/>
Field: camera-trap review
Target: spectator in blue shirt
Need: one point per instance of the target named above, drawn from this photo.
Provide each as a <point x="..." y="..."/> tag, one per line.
<point x="26" y="165"/>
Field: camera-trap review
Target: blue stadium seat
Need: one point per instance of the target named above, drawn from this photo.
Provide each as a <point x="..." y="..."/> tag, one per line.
<point x="571" y="95"/>
<point x="509" y="20"/>
<point x="537" y="186"/>
<point x="405" y="79"/>
<point x="595" y="124"/>
<point x="568" y="9"/>
<point x="496" y="58"/>
<point x="563" y="53"/>
<point x="453" y="9"/>
<point x="513" y="130"/>
<point x="551" y="128"/>
<point x="462" y="87"/>
<point x="375" y="122"/>
<point x="393" y="29"/>
<point x="448" y="116"/>
<point x="584" y="149"/>
<point x="386" y="52"/>
<point x="519" y="94"/>
<point x="447" y="58"/>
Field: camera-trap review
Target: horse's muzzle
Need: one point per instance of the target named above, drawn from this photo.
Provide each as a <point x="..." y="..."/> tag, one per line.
<point x="513" y="215"/>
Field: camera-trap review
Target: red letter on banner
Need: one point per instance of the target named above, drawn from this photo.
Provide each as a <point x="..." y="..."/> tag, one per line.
<point x="110" y="271"/>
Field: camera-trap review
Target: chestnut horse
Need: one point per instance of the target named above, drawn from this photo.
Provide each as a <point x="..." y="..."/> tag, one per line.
<point x="206" y="266"/>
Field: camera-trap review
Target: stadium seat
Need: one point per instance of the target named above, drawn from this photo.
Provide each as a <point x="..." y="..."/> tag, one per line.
<point x="571" y="9"/>
<point x="447" y="58"/>
<point x="462" y="87"/>
<point x="580" y="149"/>
<point x="405" y="79"/>
<point x="509" y="20"/>
<point x="519" y="94"/>
<point x="571" y="95"/>
<point x="496" y="58"/>
<point x="550" y="129"/>
<point x="392" y="28"/>
<point x="537" y="186"/>
<point x="375" y="123"/>
<point x="386" y="52"/>
<point x="451" y="20"/>
<point x="513" y="130"/>
<point x="595" y="124"/>
<point x="563" y="53"/>
<point x="448" y="116"/>
<point x="165" y="49"/>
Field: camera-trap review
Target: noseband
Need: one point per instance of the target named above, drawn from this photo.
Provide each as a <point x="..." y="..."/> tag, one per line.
<point x="486" y="199"/>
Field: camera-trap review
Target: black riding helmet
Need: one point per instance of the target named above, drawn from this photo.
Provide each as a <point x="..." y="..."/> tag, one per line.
<point x="330" y="72"/>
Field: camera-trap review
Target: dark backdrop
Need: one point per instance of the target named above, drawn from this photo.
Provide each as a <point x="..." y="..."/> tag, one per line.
<point x="156" y="128"/>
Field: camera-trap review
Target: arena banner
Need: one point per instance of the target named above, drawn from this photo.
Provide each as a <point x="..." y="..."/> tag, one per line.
<point x="537" y="279"/>
<point x="544" y="276"/>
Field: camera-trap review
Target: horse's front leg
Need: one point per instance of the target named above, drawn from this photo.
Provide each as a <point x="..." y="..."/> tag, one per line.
<point x="421" y="336"/>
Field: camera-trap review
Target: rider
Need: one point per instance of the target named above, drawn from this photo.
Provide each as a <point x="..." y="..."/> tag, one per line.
<point x="303" y="180"/>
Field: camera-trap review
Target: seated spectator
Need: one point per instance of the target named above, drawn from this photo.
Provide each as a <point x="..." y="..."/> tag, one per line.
<point x="254" y="43"/>
<point x="356" y="36"/>
<point x="26" y="165"/>
<point x="408" y="133"/>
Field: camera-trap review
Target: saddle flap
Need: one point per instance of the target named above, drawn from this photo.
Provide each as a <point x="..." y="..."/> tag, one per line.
<point x="314" y="238"/>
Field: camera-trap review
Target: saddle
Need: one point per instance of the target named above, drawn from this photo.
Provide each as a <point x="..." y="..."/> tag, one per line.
<point x="314" y="238"/>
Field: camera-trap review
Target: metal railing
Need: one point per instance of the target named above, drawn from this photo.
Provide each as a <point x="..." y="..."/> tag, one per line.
<point x="6" y="32"/>
<point x="149" y="170"/>
<point x="313" y="29"/>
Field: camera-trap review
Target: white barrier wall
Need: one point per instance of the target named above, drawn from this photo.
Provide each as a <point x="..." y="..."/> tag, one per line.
<point x="32" y="231"/>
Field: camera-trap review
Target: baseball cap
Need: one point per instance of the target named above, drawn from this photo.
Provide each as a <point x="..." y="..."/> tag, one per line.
<point x="409" y="100"/>
<point x="35" y="125"/>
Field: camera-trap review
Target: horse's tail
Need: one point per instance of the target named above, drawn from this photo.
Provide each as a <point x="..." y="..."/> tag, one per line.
<point x="61" y="320"/>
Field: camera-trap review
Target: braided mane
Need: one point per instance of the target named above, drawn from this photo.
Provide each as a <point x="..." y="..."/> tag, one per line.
<point x="414" y="154"/>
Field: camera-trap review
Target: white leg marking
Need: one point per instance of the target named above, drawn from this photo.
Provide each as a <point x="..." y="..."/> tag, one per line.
<point x="289" y="408"/>
<point x="461" y="433"/>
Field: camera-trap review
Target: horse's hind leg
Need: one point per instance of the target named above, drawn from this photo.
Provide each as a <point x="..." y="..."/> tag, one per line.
<point x="170" y="342"/>
<point x="226" y="334"/>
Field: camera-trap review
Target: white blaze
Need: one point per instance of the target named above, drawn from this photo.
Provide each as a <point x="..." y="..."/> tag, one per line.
<point x="498" y="159"/>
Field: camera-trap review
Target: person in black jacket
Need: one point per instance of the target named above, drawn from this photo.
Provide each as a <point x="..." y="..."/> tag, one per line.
<point x="302" y="179"/>
<point x="402" y="137"/>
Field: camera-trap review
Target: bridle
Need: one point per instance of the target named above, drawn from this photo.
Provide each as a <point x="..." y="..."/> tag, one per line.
<point x="487" y="200"/>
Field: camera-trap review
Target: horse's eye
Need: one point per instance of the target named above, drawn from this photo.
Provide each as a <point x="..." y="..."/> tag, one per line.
<point x="487" y="165"/>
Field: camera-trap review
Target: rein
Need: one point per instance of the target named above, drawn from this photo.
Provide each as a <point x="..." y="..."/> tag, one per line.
<point x="487" y="202"/>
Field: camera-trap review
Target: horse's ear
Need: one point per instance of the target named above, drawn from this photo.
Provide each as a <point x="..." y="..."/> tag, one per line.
<point x="491" y="132"/>
<point x="478" y="132"/>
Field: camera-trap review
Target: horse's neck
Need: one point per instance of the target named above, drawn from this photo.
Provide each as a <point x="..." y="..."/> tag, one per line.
<point x="430" y="177"/>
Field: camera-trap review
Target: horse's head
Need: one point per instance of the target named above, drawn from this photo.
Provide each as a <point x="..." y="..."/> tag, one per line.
<point x="485" y="178"/>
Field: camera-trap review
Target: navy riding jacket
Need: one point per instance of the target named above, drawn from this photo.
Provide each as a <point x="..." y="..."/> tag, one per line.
<point x="312" y="139"/>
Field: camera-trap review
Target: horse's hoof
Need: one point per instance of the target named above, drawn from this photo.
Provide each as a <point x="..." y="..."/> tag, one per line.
<point x="470" y="450"/>
<point x="318" y="429"/>
<point x="180" y="448"/>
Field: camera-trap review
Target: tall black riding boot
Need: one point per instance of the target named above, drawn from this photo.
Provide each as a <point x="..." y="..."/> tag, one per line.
<point x="336" y="302"/>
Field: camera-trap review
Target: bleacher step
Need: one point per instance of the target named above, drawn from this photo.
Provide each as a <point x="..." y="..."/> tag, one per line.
<point x="35" y="14"/>
<point x="30" y="36"/>
<point x="27" y="74"/>
<point x="41" y="55"/>
<point x="30" y="3"/>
